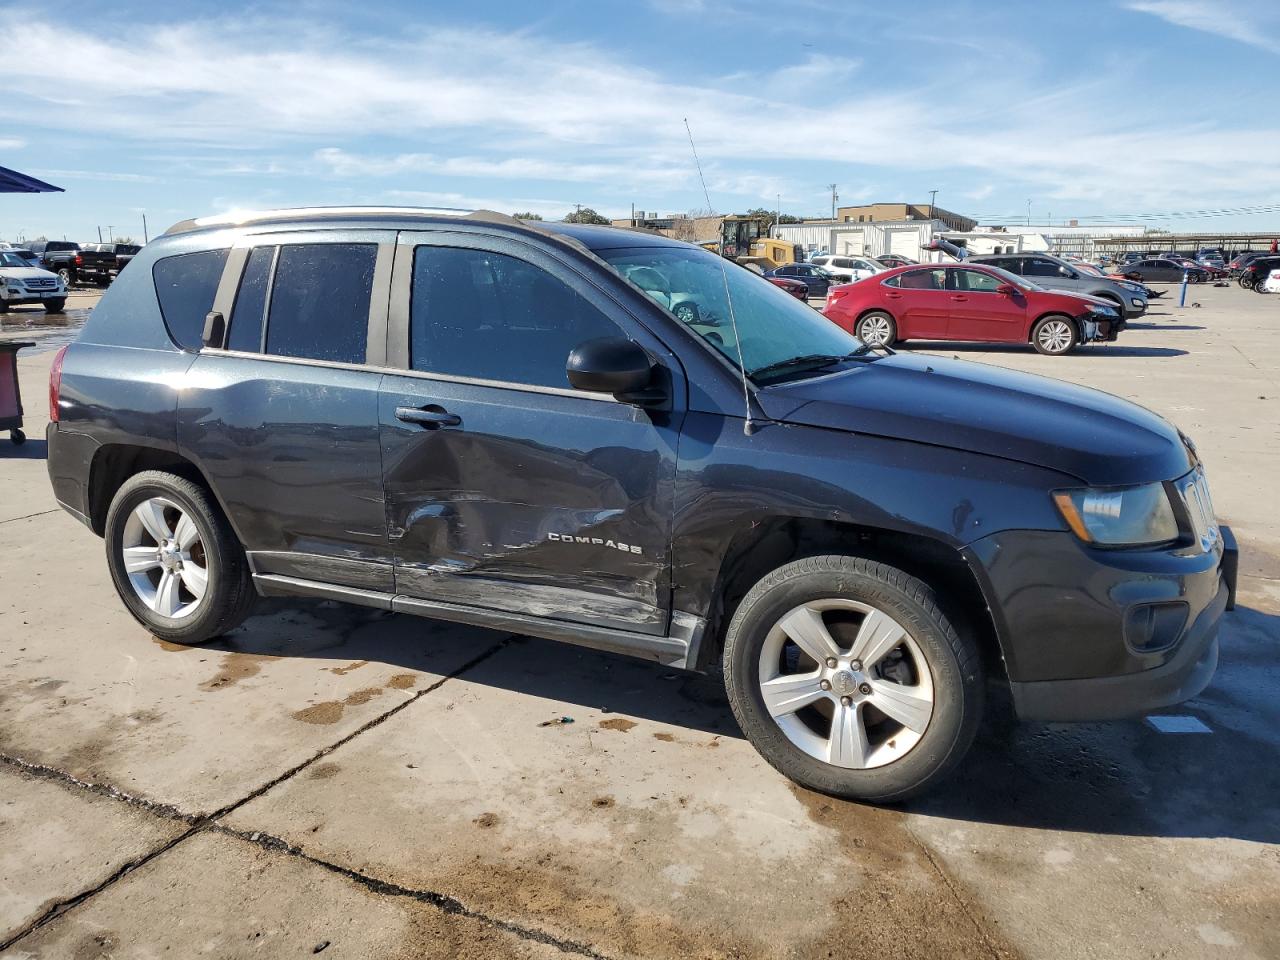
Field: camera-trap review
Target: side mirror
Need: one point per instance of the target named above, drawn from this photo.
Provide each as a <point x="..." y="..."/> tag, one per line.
<point x="613" y="365"/>
<point x="1006" y="289"/>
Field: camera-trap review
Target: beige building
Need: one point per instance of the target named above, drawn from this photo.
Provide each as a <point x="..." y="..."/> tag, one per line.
<point x="893" y="212"/>
<point x="692" y="229"/>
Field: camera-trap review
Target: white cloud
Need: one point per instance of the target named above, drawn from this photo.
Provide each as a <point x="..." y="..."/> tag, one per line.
<point x="12" y="143"/>
<point x="1252" y="23"/>
<point x="549" y="111"/>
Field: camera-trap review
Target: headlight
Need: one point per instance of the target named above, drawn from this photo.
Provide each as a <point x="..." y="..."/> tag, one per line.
<point x="1126" y="517"/>
<point x="1105" y="311"/>
<point x="1135" y="301"/>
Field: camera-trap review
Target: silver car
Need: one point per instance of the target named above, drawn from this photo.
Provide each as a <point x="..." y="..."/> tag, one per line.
<point x="1054" y="273"/>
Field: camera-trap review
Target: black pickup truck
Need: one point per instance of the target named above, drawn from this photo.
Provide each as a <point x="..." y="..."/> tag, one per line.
<point x="62" y="257"/>
<point x="102" y="261"/>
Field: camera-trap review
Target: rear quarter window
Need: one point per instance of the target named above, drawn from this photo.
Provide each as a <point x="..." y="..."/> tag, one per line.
<point x="185" y="287"/>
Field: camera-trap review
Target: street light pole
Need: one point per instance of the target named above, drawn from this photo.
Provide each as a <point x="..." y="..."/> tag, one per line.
<point x="933" y="195"/>
<point x="834" y="198"/>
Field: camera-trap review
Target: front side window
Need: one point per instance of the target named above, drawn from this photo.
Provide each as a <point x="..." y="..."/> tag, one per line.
<point x="974" y="281"/>
<point x="1039" y="267"/>
<point x="320" y="301"/>
<point x="696" y="287"/>
<point x="474" y="313"/>
<point x="185" y="287"/>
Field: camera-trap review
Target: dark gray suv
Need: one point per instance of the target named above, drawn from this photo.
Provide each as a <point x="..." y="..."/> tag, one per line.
<point x="619" y="440"/>
<point x="1054" y="273"/>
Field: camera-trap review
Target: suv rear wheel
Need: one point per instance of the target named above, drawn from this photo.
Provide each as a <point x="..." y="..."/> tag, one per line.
<point x="174" y="559"/>
<point x="846" y="676"/>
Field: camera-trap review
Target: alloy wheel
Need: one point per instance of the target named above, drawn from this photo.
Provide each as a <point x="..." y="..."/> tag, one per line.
<point x="875" y="331"/>
<point x="1054" y="336"/>
<point x="846" y="683"/>
<point x="164" y="558"/>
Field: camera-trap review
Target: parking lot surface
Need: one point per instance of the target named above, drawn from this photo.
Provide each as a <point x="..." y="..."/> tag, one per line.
<point x="350" y="783"/>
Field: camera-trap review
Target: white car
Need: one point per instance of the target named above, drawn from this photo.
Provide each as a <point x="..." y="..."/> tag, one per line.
<point x="1271" y="284"/>
<point x="848" y="268"/>
<point x="22" y="283"/>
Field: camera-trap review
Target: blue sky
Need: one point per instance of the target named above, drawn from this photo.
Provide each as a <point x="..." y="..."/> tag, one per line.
<point x="1098" y="108"/>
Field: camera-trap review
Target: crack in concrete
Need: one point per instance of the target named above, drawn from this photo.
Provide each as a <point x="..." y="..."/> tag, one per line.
<point x="386" y="888"/>
<point x="28" y="516"/>
<point x="201" y="822"/>
<point x="962" y="901"/>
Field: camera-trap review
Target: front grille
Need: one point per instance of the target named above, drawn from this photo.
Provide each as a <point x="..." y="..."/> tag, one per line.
<point x="41" y="284"/>
<point x="1194" y="489"/>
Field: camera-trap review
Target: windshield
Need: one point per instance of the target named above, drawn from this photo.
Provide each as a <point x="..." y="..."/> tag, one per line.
<point x="1021" y="283"/>
<point x="8" y="259"/>
<point x="774" y="326"/>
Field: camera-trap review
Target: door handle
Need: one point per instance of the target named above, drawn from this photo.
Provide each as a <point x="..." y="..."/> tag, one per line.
<point x="893" y="296"/>
<point x="960" y="299"/>
<point x="431" y="416"/>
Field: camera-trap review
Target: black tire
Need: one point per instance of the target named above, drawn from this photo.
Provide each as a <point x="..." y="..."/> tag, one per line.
<point x="1261" y="286"/>
<point x="1246" y="280"/>
<point x="4" y="306"/>
<point x="54" y="306"/>
<point x="18" y="437"/>
<point x="1057" y="347"/>
<point x="953" y="660"/>
<point x="230" y="594"/>
<point x="883" y="321"/>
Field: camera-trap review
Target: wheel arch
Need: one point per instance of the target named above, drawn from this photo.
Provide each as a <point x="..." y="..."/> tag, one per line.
<point x="1031" y="327"/>
<point x="764" y="546"/>
<point x="114" y="463"/>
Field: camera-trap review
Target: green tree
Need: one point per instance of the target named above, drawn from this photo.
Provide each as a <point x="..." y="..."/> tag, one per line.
<point x="527" y="216"/>
<point x="585" y="215"/>
<point x="769" y="216"/>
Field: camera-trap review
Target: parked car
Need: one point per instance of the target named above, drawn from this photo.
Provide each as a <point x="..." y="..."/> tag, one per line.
<point x="797" y="288"/>
<point x="1129" y="257"/>
<point x="890" y="260"/>
<point x="1133" y="286"/>
<point x="848" y="268"/>
<point x="1257" y="269"/>
<point x="100" y="262"/>
<point x="58" y="256"/>
<point x="1241" y="261"/>
<point x="858" y="540"/>
<point x="1212" y="260"/>
<point x="810" y="274"/>
<point x="1270" y="283"/>
<point x="22" y="283"/>
<point x="1164" y="271"/>
<point x="970" y="302"/>
<point x="1054" y="273"/>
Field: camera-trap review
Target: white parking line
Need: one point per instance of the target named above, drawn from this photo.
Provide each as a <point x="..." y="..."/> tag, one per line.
<point x="1178" y="724"/>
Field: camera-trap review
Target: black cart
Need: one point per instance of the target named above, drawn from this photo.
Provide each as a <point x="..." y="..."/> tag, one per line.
<point x="10" y="393"/>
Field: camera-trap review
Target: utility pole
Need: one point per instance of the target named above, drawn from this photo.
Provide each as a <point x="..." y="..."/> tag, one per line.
<point x="99" y="234"/>
<point x="110" y="238"/>
<point x="834" y="198"/>
<point x="146" y="239"/>
<point x="933" y="194"/>
<point x="1028" y="211"/>
<point x="777" y="218"/>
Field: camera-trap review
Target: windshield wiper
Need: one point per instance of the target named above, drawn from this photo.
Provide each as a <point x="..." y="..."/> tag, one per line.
<point x="814" y="361"/>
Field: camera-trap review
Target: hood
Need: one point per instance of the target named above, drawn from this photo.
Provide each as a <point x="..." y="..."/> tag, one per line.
<point x="1084" y="433"/>
<point x="1086" y="297"/>
<point x="26" y="273"/>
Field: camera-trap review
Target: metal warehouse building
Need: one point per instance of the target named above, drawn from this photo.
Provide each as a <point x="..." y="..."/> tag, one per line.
<point x="872" y="238"/>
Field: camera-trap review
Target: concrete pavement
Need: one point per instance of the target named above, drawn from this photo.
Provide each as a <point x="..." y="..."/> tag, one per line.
<point x="364" y="784"/>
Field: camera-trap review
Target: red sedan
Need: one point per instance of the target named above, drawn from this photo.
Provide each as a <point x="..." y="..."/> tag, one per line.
<point x="797" y="288"/>
<point x="958" y="301"/>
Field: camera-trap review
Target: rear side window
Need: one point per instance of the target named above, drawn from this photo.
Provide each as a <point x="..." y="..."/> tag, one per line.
<point x="249" y="312"/>
<point x="920" y="280"/>
<point x="185" y="286"/>
<point x="487" y="315"/>
<point x="320" y="301"/>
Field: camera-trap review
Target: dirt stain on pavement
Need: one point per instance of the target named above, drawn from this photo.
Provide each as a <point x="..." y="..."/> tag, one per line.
<point x="621" y="724"/>
<point x="343" y="671"/>
<point x="323" y="771"/>
<point x="321" y="713"/>
<point x="168" y="647"/>
<point x="362" y="696"/>
<point x="602" y="803"/>
<point x="403" y="681"/>
<point x="236" y="667"/>
<point x="665" y="737"/>
<point x="906" y="905"/>
<point x="486" y="820"/>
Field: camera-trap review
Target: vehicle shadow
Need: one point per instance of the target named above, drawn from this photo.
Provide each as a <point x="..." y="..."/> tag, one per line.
<point x="33" y="449"/>
<point x="1093" y="350"/>
<point x="1113" y="778"/>
<point x="1162" y="326"/>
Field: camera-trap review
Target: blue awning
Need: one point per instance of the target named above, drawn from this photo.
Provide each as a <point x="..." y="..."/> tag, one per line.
<point x="11" y="181"/>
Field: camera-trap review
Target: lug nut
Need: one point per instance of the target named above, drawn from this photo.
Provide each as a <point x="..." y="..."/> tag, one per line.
<point x="831" y="662"/>
<point x="825" y="684"/>
<point x="864" y="689"/>
<point x="856" y="665"/>
<point x="846" y="701"/>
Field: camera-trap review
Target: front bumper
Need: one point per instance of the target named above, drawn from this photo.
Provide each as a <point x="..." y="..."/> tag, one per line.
<point x="17" y="298"/>
<point x="1071" y="622"/>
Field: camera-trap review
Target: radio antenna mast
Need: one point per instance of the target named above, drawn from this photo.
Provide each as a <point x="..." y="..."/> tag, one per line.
<point x="748" y="427"/>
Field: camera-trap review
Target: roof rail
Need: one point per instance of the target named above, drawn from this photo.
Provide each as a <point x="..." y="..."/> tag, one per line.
<point x="236" y="218"/>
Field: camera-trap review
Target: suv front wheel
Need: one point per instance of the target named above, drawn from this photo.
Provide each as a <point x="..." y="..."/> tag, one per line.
<point x="174" y="559"/>
<point x="846" y="676"/>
